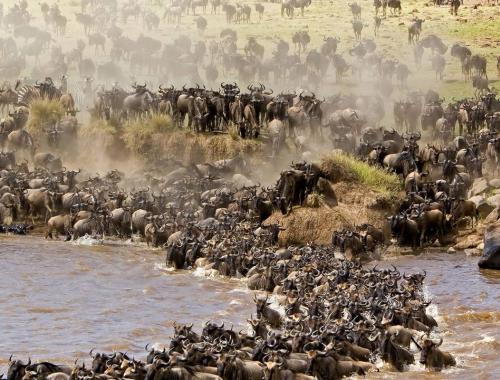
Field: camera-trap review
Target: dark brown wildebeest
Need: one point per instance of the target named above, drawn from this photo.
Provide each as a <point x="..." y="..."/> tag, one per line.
<point x="414" y="30"/>
<point x="433" y="358"/>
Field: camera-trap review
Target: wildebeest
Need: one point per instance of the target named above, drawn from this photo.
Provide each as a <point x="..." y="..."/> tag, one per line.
<point x="139" y="102"/>
<point x="357" y="27"/>
<point x="264" y="312"/>
<point x="454" y="5"/>
<point x="478" y="63"/>
<point x="355" y="10"/>
<point x="433" y="358"/>
<point x="414" y="30"/>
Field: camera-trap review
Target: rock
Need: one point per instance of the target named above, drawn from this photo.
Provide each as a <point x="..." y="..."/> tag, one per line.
<point x="451" y="250"/>
<point x="473" y="252"/>
<point x="480" y="246"/>
<point x="492" y="217"/>
<point x="494" y="200"/>
<point x="479" y="186"/>
<point x="471" y="241"/>
<point x="483" y="207"/>
<point x="491" y="252"/>
<point x="495" y="182"/>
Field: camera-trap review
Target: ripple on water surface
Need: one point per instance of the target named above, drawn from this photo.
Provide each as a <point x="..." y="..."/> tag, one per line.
<point x="58" y="300"/>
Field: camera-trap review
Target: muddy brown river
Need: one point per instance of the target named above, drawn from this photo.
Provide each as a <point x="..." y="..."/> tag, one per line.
<point x="58" y="300"/>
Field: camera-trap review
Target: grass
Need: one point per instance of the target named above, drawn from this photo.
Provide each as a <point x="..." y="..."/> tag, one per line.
<point x="104" y="132"/>
<point x="43" y="115"/>
<point x="342" y="167"/>
<point x="158" y="138"/>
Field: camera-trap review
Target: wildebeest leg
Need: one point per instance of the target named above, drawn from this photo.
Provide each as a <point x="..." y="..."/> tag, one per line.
<point x="48" y="212"/>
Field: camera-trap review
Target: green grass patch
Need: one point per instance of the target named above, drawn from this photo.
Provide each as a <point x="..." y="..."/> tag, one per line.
<point x="341" y="167"/>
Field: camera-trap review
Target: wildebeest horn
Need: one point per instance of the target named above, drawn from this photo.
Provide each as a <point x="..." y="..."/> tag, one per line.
<point x="262" y="87"/>
<point x="221" y="326"/>
<point x="10" y="358"/>
<point x="146" y="348"/>
<point x="90" y="353"/>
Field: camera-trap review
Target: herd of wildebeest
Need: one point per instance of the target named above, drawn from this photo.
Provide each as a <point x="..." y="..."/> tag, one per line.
<point x="111" y="49"/>
<point x="340" y="318"/>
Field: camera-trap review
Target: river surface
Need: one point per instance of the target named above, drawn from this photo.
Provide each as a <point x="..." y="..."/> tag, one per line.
<point x="58" y="300"/>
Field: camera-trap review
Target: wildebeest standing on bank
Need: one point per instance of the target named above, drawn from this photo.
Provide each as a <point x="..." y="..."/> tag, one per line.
<point x="376" y="25"/>
<point x="357" y="27"/>
<point x="139" y="102"/>
<point x="355" y="10"/>
<point x="414" y="30"/>
<point x="454" y="5"/>
<point x="478" y="63"/>
<point x="277" y="134"/>
<point x="259" y="8"/>
<point x="463" y="53"/>
<point x="438" y="65"/>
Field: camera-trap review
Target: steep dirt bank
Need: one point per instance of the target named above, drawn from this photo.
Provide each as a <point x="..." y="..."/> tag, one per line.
<point x="364" y="194"/>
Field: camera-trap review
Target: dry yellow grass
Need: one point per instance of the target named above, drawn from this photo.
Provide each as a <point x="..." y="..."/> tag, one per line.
<point x="43" y="115"/>
<point x="157" y="137"/>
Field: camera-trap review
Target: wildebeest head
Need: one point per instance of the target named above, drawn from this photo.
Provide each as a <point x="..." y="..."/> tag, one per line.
<point x="261" y="304"/>
<point x="428" y="348"/>
<point x="211" y="330"/>
<point x="182" y="331"/>
<point x="17" y="369"/>
<point x="99" y="361"/>
<point x="259" y="327"/>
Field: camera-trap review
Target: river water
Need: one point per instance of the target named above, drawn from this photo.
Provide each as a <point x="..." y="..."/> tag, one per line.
<point x="58" y="300"/>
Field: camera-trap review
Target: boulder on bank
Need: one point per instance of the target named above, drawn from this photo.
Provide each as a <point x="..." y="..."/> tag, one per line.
<point x="491" y="252"/>
<point x="492" y="216"/>
<point x="495" y="183"/>
<point x="494" y="200"/>
<point x="479" y="186"/>
<point x="483" y="207"/>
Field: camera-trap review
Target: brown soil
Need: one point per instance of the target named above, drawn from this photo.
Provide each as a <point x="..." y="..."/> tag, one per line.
<point x="316" y="225"/>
